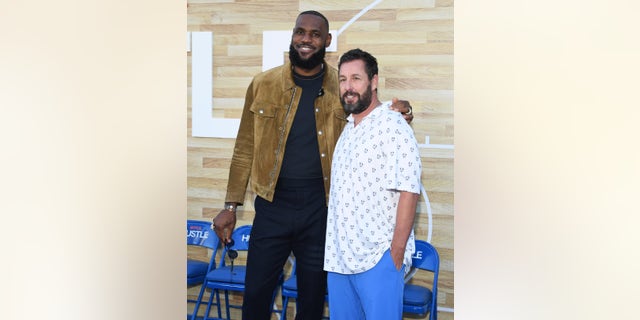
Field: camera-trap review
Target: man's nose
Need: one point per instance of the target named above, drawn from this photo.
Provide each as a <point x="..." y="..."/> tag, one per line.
<point x="306" y="38"/>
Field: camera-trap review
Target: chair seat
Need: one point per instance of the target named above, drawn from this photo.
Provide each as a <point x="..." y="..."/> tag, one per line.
<point x="196" y="268"/>
<point x="196" y="271"/>
<point x="224" y="274"/>
<point x="416" y="295"/>
<point x="290" y="287"/>
<point x="290" y="284"/>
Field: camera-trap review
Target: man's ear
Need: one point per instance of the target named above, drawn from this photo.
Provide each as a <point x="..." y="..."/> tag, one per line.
<point x="327" y="43"/>
<point x="374" y="82"/>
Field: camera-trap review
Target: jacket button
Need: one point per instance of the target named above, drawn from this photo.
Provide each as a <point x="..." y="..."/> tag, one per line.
<point x="261" y="111"/>
<point x="320" y="132"/>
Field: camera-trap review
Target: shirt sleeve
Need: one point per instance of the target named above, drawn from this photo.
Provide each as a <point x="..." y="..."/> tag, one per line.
<point x="403" y="166"/>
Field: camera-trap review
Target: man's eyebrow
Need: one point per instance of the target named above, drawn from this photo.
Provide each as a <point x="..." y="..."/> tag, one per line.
<point x="303" y="28"/>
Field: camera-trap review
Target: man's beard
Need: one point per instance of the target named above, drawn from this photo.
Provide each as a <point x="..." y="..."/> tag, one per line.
<point x="361" y="105"/>
<point x="313" y="61"/>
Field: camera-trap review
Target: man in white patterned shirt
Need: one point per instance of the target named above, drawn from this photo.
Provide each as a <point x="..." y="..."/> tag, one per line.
<point x="375" y="185"/>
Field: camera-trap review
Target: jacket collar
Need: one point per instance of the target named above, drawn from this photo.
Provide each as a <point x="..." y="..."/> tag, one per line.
<point x="328" y="81"/>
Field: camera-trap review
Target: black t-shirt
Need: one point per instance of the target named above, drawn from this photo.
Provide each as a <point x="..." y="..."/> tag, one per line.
<point x="301" y="157"/>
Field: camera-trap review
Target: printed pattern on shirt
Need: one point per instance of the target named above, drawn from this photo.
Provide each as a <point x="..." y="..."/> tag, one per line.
<point x="372" y="163"/>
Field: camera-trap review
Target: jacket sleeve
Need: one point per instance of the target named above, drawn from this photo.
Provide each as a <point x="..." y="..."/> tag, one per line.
<point x="241" y="162"/>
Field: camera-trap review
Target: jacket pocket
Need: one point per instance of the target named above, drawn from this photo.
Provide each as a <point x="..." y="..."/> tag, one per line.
<point x="264" y="117"/>
<point x="263" y="110"/>
<point x="265" y="121"/>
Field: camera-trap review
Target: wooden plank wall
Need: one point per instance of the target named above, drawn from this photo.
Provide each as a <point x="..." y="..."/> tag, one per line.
<point x="413" y="42"/>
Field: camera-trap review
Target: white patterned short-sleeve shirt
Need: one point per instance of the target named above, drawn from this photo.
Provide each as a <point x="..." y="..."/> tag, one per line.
<point x="372" y="163"/>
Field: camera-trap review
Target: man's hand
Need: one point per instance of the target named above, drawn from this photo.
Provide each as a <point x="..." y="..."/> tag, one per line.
<point x="397" y="255"/>
<point x="224" y="224"/>
<point x="403" y="107"/>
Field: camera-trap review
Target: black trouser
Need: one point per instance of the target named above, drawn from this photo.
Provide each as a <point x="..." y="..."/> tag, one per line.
<point x="295" y="222"/>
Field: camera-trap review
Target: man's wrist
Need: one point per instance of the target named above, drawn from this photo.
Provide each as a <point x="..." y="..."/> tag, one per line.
<point x="231" y="206"/>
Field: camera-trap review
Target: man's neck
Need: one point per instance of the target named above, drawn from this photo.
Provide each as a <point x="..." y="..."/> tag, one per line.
<point x="308" y="72"/>
<point x="358" y="117"/>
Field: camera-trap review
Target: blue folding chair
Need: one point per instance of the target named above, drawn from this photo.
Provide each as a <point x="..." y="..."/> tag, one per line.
<point x="199" y="234"/>
<point x="229" y="277"/>
<point x="419" y="299"/>
<point x="290" y="290"/>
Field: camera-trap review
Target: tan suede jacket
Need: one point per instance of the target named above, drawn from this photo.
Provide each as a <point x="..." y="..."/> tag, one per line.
<point x="269" y="108"/>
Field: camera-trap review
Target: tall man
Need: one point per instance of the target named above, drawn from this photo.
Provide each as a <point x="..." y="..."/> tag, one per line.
<point x="291" y="121"/>
<point x="375" y="185"/>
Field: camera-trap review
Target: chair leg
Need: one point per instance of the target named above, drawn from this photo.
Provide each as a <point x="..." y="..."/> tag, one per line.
<point x="433" y="313"/>
<point x="209" y="302"/>
<point x="226" y="300"/>
<point x="195" y="309"/>
<point x="273" y="300"/>
<point x="285" y="301"/>
<point x="218" y="303"/>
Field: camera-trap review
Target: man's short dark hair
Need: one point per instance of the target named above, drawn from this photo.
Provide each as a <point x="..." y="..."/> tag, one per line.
<point x="370" y="62"/>
<point x="318" y="14"/>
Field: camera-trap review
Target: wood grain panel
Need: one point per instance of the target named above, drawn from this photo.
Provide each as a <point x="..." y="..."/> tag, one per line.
<point x="413" y="42"/>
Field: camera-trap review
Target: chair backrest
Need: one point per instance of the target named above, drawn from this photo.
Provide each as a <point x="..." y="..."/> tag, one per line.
<point x="199" y="233"/>
<point x="419" y="299"/>
<point x="240" y="238"/>
<point x="426" y="257"/>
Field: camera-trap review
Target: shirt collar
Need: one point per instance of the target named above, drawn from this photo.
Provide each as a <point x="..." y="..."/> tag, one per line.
<point x="376" y="112"/>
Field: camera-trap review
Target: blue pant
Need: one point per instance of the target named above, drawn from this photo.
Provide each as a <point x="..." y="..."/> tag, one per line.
<point x="375" y="294"/>
<point x="295" y="222"/>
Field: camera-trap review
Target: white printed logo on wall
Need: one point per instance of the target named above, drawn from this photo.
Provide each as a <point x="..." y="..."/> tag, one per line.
<point x="203" y="124"/>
